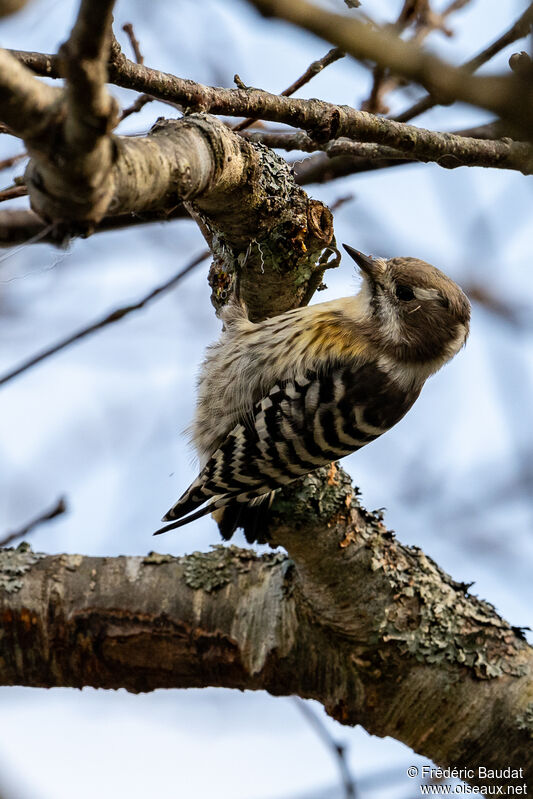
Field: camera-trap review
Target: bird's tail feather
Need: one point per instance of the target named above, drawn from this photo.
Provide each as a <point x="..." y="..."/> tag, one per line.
<point x="180" y="513"/>
<point x="194" y="496"/>
<point x="190" y="518"/>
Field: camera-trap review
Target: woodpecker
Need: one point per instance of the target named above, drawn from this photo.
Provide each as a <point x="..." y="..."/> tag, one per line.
<point x="279" y="398"/>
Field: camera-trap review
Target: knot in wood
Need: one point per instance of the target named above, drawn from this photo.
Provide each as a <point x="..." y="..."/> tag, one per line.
<point x="328" y="127"/>
<point x="320" y="221"/>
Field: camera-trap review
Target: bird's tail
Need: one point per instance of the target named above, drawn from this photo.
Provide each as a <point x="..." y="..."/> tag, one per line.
<point x="252" y="517"/>
<point x="187" y="509"/>
<point x="190" y="518"/>
<point x="192" y="498"/>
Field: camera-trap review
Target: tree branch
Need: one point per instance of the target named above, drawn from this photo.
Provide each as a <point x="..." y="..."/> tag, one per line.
<point x="26" y="104"/>
<point x="59" y="508"/>
<point x="445" y="149"/>
<point x="504" y="95"/>
<point x="312" y="70"/>
<point x="371" y="629"/>
<point x="323" y="121"/>
<point x="91" y="112"/>
<point x="518" y="30"/>
<point x="24" y="226"/>
<point x="231" y="187"/>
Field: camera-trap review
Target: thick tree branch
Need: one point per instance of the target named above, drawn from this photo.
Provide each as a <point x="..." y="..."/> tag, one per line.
<point x="231" y="187"/>
<point x="90" y="111"/>
<point x="372" y="629"/>
<point x="71" y="165"/>
<point x="66" y="132"/>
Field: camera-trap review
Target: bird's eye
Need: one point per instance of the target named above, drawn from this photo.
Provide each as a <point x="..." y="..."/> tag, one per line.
<point x="404" y="293"/>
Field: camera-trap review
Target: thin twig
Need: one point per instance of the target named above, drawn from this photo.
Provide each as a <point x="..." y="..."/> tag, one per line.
<point x="518" y="316"/>
<point x="518" y="30"/>
<point x="313" y="69"/>
<point x="9" y="162"/>
<point x="425" y="21"/>
<point x="143" y="99"/>
<point x="340" y="201"/>
<point x="134" y="108"/>
<point x="13" y="191"/>
<point x="59" y="508"/>
<point x="128" y="30"/>
<point x="23" y="226"/>
<point x="338" y="750"/>
<point x="110" y="319"/>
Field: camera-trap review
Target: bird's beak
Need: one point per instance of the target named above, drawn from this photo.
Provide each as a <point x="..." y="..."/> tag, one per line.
<point x="368" y="265"/>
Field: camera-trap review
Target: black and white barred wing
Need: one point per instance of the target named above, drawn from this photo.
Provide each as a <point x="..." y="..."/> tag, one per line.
<point x="299" y="426"/>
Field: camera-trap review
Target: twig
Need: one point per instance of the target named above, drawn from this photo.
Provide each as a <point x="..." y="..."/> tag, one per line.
<point x="425" y="21"/>
<point x="340" y="201"/>
<point x="114" y="316"/>
<point x="313" y="69"/>
<point x="128" y="30"/>
<point x="21" y="226"/>
<point x="59" y="508"/>
<point x="135" y="107"/>
<point x="518" y="30"/>
<point x="337" y="749"/>
<point x="513" y="314"/>
<point x="13" y="191"/>
<point x="320" y="168"/>
<point x="9" y="162"/>
<point x="144" y="99"/>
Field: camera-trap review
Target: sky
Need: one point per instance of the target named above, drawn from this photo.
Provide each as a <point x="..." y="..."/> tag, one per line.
<point x="102" y="423"/>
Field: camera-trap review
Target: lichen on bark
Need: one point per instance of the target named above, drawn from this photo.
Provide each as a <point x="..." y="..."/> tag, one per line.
<point x="14" y="564"/>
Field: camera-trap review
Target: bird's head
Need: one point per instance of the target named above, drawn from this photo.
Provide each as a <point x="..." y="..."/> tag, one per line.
<point x="415" y="313"/>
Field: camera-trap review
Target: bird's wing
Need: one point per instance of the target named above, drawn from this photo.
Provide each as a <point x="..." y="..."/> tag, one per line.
<point x="300" y="425"/>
